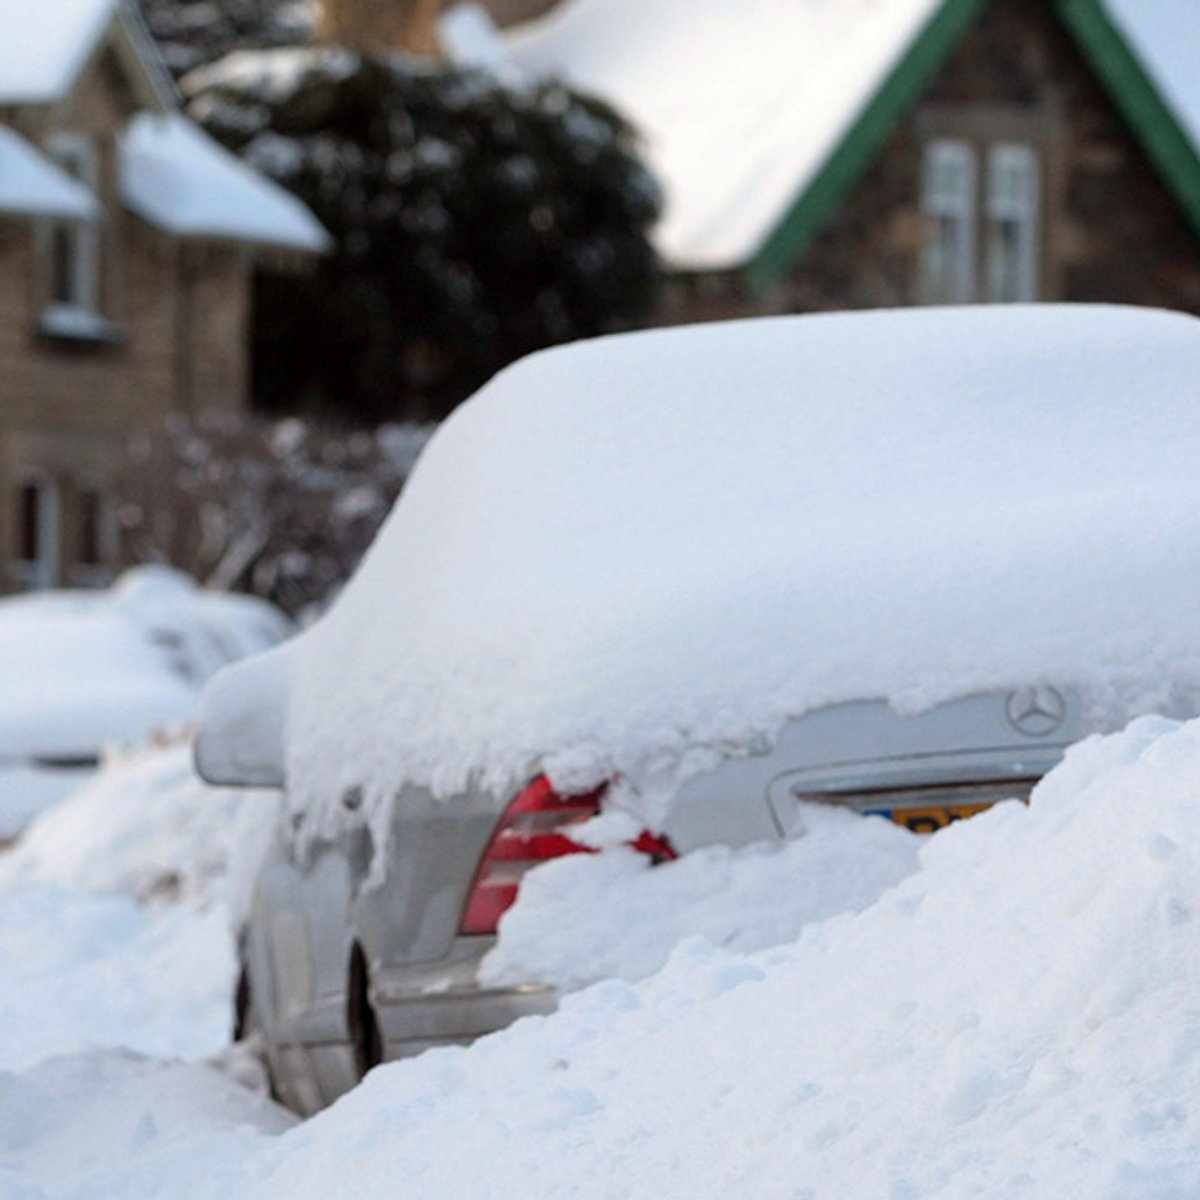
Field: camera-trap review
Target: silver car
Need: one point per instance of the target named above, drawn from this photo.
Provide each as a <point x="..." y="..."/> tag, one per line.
<point x="338" y="975"/>
<point x="378" y="900"/>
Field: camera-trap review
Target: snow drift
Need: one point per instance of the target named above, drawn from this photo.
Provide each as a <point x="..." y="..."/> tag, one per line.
<point x="1019" y="1018"/>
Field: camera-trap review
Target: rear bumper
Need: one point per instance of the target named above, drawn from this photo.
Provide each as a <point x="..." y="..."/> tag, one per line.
<point x="443" y="1003"/>
<point x="418" y="1007"/>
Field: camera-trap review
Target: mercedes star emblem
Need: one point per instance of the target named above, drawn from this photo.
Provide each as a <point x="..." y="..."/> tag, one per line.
<point x="1037" y="712"/>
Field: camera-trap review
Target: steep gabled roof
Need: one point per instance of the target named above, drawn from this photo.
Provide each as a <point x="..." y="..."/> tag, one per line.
<point x="47" y="45"/>
<point x="740" y="104"/>
<point x="173" y="175"/>
<point x="760" y="115"/>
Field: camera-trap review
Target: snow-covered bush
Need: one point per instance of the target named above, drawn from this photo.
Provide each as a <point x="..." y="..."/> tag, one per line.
<point x="191" y="33"/>
<point x="474" y="221"/>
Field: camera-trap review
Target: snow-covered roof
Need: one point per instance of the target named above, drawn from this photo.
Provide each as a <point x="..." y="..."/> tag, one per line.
<point x="1165" y="35"/>
<point x="628" y="547"/>
<point x="179" y="179"/>
<point x="740" y="104"/>
<point x="45" y="46"/>
<point x="32" y="185"/>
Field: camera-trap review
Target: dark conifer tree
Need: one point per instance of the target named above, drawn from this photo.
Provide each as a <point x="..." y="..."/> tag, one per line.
<point x="474" y="221"/>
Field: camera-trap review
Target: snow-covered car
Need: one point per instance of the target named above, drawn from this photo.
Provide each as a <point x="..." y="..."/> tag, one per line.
<point x="692" y="580"/>
<point x="86" y="670"/>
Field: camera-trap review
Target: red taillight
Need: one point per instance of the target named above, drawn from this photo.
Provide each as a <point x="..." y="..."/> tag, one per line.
<point x="531" y="832"/>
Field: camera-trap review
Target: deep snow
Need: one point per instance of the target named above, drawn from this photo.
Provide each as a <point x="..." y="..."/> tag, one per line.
<point x="1018" y="1018"/>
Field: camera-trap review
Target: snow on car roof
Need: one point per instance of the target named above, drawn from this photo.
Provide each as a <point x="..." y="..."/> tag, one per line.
<point x="178" y="178"/>
<point x="627" y="548"/>
<point x="740" y="104"/>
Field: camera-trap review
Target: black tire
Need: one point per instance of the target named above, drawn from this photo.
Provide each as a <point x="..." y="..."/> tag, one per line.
<point x="245" y="1018"/>
<point x="360" y="1016"/>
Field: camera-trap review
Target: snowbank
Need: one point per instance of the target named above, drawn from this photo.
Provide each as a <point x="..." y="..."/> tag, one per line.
<point x="148" y="829"/>
<point x="1017" y="1018"/>
<point x="627" y="548"/>
<point x="118" y="911"/>
<point x="118" y="1126"/>
<point x="584" y="918"/>
<point x="83" y="972"/>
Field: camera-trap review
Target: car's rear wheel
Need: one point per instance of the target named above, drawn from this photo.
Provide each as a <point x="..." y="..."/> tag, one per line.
<point x="360" y="1015"/>
<point x="245" y="1018"/>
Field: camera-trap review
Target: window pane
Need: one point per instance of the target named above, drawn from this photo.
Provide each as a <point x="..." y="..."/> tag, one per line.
<point x="949" y="202"/>
<point x="91" y="529"/>
<point x="1013" y="238"/>
<point x="28" y="522"/>
<point x="63" y="259"/>
<point x="74" y="249"/>
<point x="37" y="533"/>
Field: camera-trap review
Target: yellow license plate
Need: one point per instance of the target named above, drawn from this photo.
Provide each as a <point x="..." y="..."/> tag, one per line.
<point x="928" y="820"/>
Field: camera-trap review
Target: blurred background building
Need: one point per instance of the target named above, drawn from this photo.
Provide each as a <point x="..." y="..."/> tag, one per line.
<point x="495" y="176"/>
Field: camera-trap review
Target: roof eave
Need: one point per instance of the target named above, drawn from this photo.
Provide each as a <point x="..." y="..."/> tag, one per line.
<point x="289" y="253"/>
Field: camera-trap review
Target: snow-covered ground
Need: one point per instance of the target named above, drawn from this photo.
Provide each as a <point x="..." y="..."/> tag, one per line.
<point x="1019" y="1016"/>
<point x="116" y="914"/>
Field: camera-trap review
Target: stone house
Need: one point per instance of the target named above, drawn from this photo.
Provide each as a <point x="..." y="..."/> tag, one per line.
<point x="841" y="154"/>
<point x="127" y="240"/>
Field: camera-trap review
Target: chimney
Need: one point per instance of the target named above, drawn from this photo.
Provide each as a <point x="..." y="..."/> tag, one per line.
<point x="366" y="25"/>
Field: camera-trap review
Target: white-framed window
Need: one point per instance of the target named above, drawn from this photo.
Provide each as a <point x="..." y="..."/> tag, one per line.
<point x="970" y="187"/>
<point x="949" y="201"/>
<point x="73" y="247"/>
<point x="38" y="532"/>
<point x="1013" y="226"/>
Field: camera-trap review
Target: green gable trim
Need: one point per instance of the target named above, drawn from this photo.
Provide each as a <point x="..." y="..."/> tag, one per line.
<point x="1128" y="84"/>
<point x="849" y="162"/>
<point x="1137" y="99"/>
